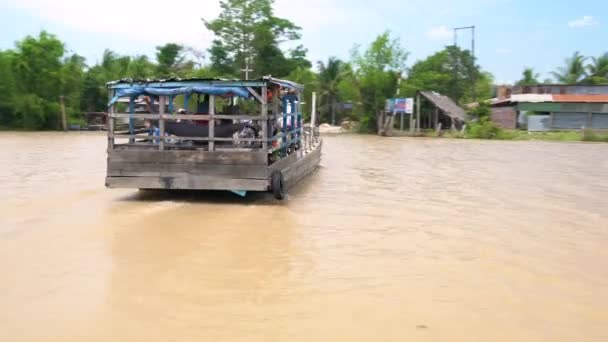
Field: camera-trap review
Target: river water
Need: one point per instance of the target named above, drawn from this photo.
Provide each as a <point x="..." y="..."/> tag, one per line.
<point x="391" y="240"/>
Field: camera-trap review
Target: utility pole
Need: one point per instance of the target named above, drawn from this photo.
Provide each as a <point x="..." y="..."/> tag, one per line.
<point x="472" y="28"/>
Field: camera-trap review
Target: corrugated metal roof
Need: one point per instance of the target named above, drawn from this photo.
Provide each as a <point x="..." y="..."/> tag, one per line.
<point x="531" y="98"/>
<point x="576" y="98"/>
<point x="449" y="107"/>
<point x="215" y="81"/>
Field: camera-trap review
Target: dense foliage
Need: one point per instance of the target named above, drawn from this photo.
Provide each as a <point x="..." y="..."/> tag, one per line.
<point x="40" y="70"/>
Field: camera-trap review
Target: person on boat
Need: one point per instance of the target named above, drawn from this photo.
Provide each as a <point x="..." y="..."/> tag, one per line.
<point x="151" y="108"/>
<point x="202" y="108"/>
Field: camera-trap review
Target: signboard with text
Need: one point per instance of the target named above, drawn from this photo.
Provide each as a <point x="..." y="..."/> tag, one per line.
<point x="400" y="106"/>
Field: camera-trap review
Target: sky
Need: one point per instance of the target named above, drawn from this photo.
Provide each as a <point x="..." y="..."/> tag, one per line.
<point x="510" y="34"/>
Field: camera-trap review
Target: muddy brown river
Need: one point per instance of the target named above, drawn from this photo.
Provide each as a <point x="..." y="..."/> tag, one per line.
<point x="391" y="240"/>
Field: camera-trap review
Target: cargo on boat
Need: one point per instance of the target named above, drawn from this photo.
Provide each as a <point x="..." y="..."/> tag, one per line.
<point x="209" y="134"/>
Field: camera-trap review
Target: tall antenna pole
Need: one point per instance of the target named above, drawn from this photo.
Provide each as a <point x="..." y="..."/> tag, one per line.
<point x="473" y="43"/>
<point x="472" y="28"/>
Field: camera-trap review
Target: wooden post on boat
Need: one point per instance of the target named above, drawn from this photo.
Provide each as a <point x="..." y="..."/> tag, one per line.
<point x="161" y="122"/>
<point x="296" y="121"/>
<point x="110" y="121"/>
<point x="211" y="123"/>
<point x="264" y="118"/>
<point x="64" y="120"/>
<point x="313" y="118"/>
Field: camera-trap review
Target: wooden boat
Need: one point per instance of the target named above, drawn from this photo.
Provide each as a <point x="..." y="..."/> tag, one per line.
<point x="266" y="151"/>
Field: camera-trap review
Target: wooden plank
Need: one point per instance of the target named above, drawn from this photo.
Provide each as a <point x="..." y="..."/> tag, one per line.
<point x="110" y="122"/>
<point x="302" y="167"/>
<point x="256" y="95"/>
<point x="158" y="169"/>
<point x="161" y="123"/>
<point x="187" y="182"/>
<point x="162" y="174"/>
<point x="284" y="163"/>
<point x="202" y="157"/>
<point x="149" y="137"/>
<point x="211" y="122"/>
<point x="193" y="117"/>
<point x="265" y="120"/>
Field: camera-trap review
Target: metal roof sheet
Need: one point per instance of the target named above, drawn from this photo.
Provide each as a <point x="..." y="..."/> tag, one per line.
<point x="534" y="98"/>
<point x="580" y="98"/>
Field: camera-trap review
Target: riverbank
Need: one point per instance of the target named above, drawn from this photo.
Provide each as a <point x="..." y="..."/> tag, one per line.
<point x="514" y="135"/>
<point x="517" y="135"/>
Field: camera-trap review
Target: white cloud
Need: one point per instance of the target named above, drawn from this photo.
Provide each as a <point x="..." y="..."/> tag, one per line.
<point x="440" y="33"/>
<point x="583" y="22"/>
<point x="315" y="15"/>
<point x="503" y="51"/>
<point x="155" y="22"/>
<point x="152" y="21"/>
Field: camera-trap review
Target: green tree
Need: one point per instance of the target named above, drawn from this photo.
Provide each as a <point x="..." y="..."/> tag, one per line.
<point x="172" y="62"/>
<point x="330" y="76"/>
<point x="72" y="76"/>
<point x="94" y="92"/>
<point x="140" y="67"/>
<point x="598" y="70"/>
<point x="574" y="70"/>
<point x="451" y="72"/>
<point x="308" y="79"/>
<point x="529" y="77"/>
<point x="248" y="33"/>
<point x="378" y="69"/>
<point x="38" y="74"/>
<point x="221" y="62"/>
<point x="38" y="65"/>
<point x="297" y="58"/>
<point x="8" y="89"/>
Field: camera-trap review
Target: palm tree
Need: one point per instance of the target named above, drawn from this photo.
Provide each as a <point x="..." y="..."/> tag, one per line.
<point x="529" y="78"/>
<point x="330" y="75"/>
<point x="598" y="70"/>
<point x="574" y="70"/>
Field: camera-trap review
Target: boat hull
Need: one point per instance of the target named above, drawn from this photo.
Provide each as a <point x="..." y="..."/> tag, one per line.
<point x="201" y="170"/>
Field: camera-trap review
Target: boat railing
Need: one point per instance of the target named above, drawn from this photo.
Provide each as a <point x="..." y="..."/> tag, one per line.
<point x="276" y="125"/>
<point x="286" y="136"/>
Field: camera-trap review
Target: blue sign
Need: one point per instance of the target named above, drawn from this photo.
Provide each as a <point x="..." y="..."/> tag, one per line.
<point x="400" y="106"/>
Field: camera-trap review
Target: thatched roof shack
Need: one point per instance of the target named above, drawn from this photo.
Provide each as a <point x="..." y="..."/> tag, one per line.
<point x="446" y="105"/>
<point x="446" y="111"/>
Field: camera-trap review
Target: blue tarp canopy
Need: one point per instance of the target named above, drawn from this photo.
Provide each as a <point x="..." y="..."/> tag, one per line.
<point x="208" y="90"/>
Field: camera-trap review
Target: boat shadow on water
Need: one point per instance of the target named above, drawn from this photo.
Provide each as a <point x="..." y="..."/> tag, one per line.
<point x="201" y="196"/>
